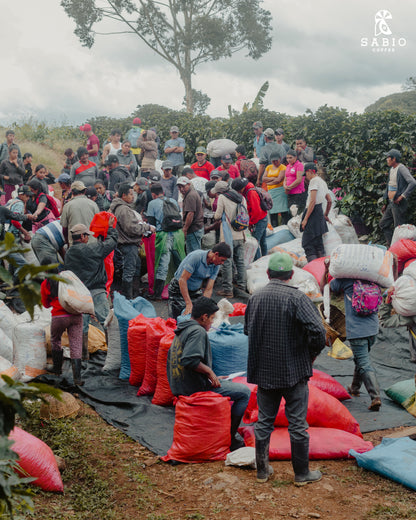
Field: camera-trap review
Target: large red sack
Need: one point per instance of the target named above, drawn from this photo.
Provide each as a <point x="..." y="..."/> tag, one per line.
<point x="239" y="309"/>
<point x="202" y="428"/>
<point x="316" y="268"/>
<point x="99" y="223"/>
<point x="324" y="443"/>
<point x="406" y="264"/>
<point x="328" y="384"/>
<point x="404" y="249"/>
<point x="324" y="410"/>
<point x="154" y="333"/>
<point x="149" y="247"/>
<point x="37" y="460"/>
<point x="252" y="402"/>
<point x="136" y="338"/>
<point x="163" y="394"/>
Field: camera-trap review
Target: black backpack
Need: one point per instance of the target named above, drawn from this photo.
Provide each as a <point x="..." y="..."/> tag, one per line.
<point x="172" y="220"/>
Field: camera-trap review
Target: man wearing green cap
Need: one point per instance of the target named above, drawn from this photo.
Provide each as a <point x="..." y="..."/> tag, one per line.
<point x="202" y="167"/>
<point x="285" y="333"/>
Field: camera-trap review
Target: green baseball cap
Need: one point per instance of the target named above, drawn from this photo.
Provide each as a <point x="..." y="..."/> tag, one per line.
<point x="280" y="262"/>
<point x="201" y="149"/>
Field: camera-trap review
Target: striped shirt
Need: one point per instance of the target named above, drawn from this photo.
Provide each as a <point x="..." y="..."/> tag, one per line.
<point x="53" y="232"/>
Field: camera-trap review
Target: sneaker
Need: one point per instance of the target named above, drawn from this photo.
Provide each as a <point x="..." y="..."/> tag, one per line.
<point x="375" y="404"/>
<point x="353" y="393"/>
<point x="225" y="294"/>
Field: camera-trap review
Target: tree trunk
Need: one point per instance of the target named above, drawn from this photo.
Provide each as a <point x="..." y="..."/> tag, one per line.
<point x="187" y="81"/>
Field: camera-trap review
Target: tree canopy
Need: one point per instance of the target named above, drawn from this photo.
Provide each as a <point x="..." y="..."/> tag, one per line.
<point x="185" y="33"/>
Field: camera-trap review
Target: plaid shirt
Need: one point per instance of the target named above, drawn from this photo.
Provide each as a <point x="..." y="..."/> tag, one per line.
<point x="284" y="332"/>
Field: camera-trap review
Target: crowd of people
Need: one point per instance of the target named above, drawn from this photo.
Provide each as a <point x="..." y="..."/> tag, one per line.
<point x="191" y="221"/>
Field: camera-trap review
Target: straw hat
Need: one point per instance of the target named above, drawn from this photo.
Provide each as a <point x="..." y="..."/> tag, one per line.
<point x="54" y="409"/>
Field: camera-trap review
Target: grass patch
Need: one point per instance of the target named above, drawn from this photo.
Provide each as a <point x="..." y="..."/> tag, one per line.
<point x="381" y="512"/>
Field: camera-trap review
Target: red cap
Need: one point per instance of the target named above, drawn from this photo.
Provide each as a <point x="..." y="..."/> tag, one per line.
<point x="86" y="128"/>
<point x="137" y="121"/>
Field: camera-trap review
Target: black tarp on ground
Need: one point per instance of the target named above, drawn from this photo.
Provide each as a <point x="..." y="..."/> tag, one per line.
<point x="116" y="401"/>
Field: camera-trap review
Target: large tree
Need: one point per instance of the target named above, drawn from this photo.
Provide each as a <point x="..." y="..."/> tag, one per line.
<point x="185" y="33"/>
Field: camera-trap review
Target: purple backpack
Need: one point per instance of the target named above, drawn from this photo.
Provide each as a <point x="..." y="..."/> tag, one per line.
<point x="366" y="298"/>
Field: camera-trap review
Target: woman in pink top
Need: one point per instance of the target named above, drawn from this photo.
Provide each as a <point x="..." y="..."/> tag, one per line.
<point x="294" y="182"/>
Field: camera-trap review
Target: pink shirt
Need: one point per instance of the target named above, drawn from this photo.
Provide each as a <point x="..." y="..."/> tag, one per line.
<point x="92" y="139"/>
<point x="232" y="170"/>
<point x="291" y="171"/>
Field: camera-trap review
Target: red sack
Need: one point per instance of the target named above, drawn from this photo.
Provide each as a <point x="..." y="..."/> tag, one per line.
<point x="239" y="309"/>
<point x="202" y="428"/>
<point x="37" y="460"/>
<point x="154" y="333"/>
<point x="323" y="410"/>
<point x="409" y="262"/>
<point x="149" y="247"/>
<point x="328" y="384"/>
<point x="109" y="269"/>
<point x="324" y="443"/>
<point x="252" y="402"/>
<point x="316" y="268"/>
<point x="404" y="249"/>
<point x="99" y="223"/>
<point x="163" y="394"/>
<point x="136" y="338"/>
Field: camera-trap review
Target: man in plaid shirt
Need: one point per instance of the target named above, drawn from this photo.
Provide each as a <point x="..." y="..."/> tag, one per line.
<point x="285" y="334"/>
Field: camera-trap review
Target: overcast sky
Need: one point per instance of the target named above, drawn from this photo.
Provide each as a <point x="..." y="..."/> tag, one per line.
<point x="316" y="58"/>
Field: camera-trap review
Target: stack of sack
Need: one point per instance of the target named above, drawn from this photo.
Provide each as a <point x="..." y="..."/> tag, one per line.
<point x="332" y="429"/>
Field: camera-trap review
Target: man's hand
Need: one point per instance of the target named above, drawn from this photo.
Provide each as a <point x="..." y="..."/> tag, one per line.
<point x="304" y="222"/>
<point x="383" y="209"/>
<point x="399" y="199"/>
<point x="213" y="379"/>
<point x="111" y="221"/>
<point x="188" y="308"/>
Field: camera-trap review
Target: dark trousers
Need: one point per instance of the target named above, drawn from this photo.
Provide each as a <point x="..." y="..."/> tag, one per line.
<point x="395" y="215"/>
<point x="176" y="303"/>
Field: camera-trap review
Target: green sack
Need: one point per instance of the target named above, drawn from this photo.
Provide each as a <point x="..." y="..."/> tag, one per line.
<point x="403" y="393"/>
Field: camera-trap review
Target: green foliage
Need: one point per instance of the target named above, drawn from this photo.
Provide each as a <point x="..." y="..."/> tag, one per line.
<point x="200" y="102"/>
<point x="400" y="101"/>
<point x="185" y="33"/>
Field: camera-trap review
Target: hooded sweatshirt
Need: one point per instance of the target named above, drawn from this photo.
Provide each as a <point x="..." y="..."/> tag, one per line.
<point x="130" y="229"/>
<point x="149" y="150"/>
<point x="189" y="348"/>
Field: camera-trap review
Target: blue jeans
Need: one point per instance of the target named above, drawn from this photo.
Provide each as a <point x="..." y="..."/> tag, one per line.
<point x="101" y="308"/>
<point x="259" y="233"/>
<point x="227" y="268"/>
<point x="296" y="408"/>
<point x="131" y="261"/>
<point x="193" y="240"/>
<point x="364" y="371"/>
<point x="237" y="392"/>
<point x="163" y="267"/>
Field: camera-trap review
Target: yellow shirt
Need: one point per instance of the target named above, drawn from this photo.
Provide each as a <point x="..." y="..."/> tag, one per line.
<point x="272" y="171"/>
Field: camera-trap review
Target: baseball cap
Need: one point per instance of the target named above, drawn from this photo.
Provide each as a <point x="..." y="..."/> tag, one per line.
<point x="187" y="169"/>
<point x="269" y="132"/>
<point x="280" y="262"/>
<point x="64" y="177"/>
<point x="201" y="149"/>
<point x="154" y="176"/>
<point x="167" y="165"/>
<point x="215" y="173"/>
<point x="86" y="128"/>
<point x="220" y="187"/>
<point x="91" y="191"/>
<point x="174" y="129"/>
<point x="279" y="131"/>
<point x="182" y="181"/>
<point x="24" y="189"/>
<point x="394" y="154"/>
<point x="141" y="182"/>
<point x="137" y="121"/>
<point x="226" y="158"/>
<point x="79" y="186"/>
<point x="258" y="124"/>
<point x="80" y="229"/>
<point x="310" y="166"/>
<point x="111" y="159"/>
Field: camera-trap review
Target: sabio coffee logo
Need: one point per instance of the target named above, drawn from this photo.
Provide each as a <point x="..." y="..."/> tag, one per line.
<point x="383" y="39"/>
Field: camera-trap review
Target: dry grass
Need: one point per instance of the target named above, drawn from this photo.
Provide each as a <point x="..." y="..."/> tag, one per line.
<point x="52" y="158"/>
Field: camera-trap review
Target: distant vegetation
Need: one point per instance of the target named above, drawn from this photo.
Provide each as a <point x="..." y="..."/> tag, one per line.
<point x="400" y="101"/>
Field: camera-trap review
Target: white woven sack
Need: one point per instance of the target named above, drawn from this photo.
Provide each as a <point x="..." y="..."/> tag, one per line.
<point x="331" y="239"/>
<point x="74" y="297"/>
<point x="345" y="229"/>
<point x="242" y="457"/>
<point x="294" y="249"/>
<point x="363" y="262"/>
<point x="257" y="274"/>
<point x="219" y="147"/>
<point x="41" y="316"/>
<point x="250" y="248"/>
<point x="6" y="346"/>
<point x="113" y="359"/>
<point x="294" y="226"/>
<point x="8" y="369"/>
<point x="7" y="319"/>
<point x="404" y="231"/>
<point x="410" y="270"/>
<point x="306" y="283"/>
<point x="29" y="350"/>
<point x="404" y="296"/>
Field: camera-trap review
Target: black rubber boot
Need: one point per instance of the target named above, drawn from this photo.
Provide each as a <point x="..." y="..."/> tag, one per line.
<point x="236" y="442"/>
<point x="158" y="287"/>
<point x="354" y="388"/>
<point x="300" y="463"/>
<point x="127" y="289"/>
<point x="373" y="389"/>
<point x="57" y="360"/>
<point x="264" y="470"/>
<point x="85" y="353"/>
<point x="76" y="372"/>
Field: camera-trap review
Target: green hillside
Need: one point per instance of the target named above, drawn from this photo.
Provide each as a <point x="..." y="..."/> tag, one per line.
<point x="401" y="101"/>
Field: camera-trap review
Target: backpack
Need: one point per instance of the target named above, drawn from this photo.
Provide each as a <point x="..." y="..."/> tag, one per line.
<point x="266" y="201"/>
<point x="172" y="220"/>
<point x="248" y="168"/>
<point x="51" y="204"/>
<point x="366" y="298"/>
<point x="241" y="220"/>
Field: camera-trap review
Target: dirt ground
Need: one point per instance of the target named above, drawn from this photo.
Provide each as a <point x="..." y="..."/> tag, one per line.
<point x="131" y="482"/>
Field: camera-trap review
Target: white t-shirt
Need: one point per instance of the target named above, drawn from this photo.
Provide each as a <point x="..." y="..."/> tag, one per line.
<point x="318" y="184"/>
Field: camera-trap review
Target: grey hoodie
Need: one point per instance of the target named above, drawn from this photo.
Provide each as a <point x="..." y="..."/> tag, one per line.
<point x="189" y="348"/>
<point x="130" y="230"/>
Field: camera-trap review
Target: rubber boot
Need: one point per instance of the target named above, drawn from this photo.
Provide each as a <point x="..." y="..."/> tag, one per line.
<point x="85" y="353"/>
<point x="354" y="388"/>
<point x="57" y="360"/>
<point x="373" y="389"/>
<point x="300" y="463"/>
<point x="76" y="372"/>
<point x="158" y="287"/>
<point x="127" y="289"/>
<point x="236" y="443"/>
<point x="137" y="288"/>
<point x="264" y="470"/>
